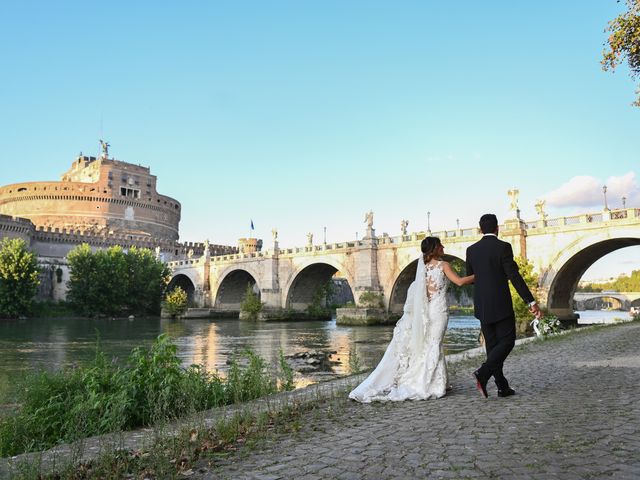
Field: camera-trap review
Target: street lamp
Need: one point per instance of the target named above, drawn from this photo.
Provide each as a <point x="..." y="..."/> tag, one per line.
<point x="624" y="202"/>
<point x="604" y="192"/>
<point x="429" y="222"/>
<point x="325" y="235"/>
<point x="458" y="223"/>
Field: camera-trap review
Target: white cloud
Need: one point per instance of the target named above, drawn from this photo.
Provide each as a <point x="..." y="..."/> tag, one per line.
<point x="586" y="191"/>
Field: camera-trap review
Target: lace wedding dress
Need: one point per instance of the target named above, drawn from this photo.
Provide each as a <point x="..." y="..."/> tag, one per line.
<point x="413" y="366"/>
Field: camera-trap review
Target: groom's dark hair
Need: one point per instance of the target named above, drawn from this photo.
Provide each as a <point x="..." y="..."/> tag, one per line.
<point x="488" y="223"/>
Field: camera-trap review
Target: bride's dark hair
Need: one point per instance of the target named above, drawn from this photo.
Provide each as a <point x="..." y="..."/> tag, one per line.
<point x="429" y="247"/>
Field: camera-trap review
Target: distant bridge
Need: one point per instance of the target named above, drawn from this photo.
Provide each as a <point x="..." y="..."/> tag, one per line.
<point x="561" y="250"/>
<point x="615" y="300"/>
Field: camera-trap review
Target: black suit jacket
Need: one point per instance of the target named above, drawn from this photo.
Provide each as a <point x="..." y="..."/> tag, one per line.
<point x="491" y="261"/>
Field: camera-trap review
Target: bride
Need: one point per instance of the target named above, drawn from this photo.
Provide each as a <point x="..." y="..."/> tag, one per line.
<point x="413" y="367"/>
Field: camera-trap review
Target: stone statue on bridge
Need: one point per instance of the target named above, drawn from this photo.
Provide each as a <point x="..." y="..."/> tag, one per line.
<point x="403" y="226"/>
<point x="310" y="239"/>
<point x="513" y="195"/>
<point x="274" y="232"/>
<point x="368" y="218"/>
<point x="540" y="209"/>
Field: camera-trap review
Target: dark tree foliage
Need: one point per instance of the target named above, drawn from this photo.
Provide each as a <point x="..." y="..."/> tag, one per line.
<point x="624" y="42"/>
<point x="115" y="282"/>
<point x="18" y="277"/>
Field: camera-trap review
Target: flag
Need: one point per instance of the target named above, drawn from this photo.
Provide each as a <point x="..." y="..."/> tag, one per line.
<point x="252" y="228"/>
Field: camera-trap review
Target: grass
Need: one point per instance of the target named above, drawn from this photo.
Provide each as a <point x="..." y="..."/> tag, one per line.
<point x="194" y="447"/>
<point x="50" y="309"/>
<point x="102" y="397"/>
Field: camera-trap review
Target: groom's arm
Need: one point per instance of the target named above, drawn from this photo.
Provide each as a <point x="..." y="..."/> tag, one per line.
<point x="510" y="268"/>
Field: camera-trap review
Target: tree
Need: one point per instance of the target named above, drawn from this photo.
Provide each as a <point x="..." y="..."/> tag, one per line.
<point x="624" y="42"/>
<point x="18" y="277"/>
<point x="251" y="305"/>
<point x="459" y="266"/>
<point x="115" y="282"/>
<point x="521" y="309"/>
<point x="175" y="303"/>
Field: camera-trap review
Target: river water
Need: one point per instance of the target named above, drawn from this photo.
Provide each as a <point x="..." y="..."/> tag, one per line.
<point x="53" y="343"/>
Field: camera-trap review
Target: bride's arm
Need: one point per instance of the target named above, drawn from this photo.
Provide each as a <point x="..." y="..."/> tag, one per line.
<point x="454" y="277"/>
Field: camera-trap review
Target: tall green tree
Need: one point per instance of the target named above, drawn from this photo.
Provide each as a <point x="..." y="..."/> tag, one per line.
<point x="624" y="42"/>
<point x="115" y="282"/>
<point x="18" y="277"/>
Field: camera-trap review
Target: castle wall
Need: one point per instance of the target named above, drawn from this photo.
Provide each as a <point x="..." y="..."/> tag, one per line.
<point x="96" y="196"/>
<point x="11" y="227"/>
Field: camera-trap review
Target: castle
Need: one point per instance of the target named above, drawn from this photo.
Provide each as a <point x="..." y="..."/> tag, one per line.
<point x="100" y="201"/>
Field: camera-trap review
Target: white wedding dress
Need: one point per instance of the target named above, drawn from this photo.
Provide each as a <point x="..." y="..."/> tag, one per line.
<point x="413" y="366"/>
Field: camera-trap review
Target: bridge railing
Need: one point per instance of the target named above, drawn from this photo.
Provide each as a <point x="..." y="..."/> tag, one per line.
<point x="587" y="218"/>
<point x="598" y="217"/>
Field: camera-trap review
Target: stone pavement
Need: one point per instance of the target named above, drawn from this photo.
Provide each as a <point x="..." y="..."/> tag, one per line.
<point x="576" y="415"/>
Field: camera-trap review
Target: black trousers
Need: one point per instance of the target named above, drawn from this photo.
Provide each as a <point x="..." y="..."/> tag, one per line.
<point x="499" y="338"/>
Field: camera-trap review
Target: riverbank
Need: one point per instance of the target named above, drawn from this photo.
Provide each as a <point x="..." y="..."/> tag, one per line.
<point x="574" y="416"/>
<point x="283" y="417"/>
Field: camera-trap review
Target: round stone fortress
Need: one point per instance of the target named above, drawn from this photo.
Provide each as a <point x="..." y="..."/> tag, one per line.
<point x="96" y="196"/>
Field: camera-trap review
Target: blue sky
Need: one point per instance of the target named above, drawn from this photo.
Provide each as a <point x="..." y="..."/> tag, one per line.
<point x="304" y="115"/>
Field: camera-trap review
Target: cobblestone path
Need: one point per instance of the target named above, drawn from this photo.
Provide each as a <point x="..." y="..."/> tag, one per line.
<point x="576" y="415"/>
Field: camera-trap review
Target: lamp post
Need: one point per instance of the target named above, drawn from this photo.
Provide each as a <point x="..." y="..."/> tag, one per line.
<point x="429" y="223"/>
<point x="624" y="202"/>
<point x="325" y="235"/>
<point x="458" y="223"/>
<point x="604" y="192"/>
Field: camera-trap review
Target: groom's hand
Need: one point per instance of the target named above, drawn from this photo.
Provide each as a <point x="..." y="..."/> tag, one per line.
<point x="535" y="309"/>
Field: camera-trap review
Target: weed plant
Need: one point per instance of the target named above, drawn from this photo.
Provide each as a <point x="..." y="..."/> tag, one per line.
<point x="101" y="397"/>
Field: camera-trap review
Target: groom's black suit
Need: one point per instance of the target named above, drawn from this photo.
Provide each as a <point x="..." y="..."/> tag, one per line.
<point x="491" y="261"/>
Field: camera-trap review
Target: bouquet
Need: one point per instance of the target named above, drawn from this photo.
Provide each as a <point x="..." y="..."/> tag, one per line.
<point x="547" y="325"/>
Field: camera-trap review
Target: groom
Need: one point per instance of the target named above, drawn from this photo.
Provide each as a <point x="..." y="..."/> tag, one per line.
<point x="491" y="261"/>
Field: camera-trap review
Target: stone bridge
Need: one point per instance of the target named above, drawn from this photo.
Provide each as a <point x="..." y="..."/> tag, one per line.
<point x="598" y="300"/>
<point x="561" y="250"/>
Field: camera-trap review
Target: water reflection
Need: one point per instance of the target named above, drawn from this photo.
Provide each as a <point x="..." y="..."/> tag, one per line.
<point x="34" y="344"/>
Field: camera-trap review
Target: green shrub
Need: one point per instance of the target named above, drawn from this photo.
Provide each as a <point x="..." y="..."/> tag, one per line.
<point x="320" y="301"/>
<point x="175" y="303"/>
<point x="101" y="397"/>
<point x="521" y="310"/>
<point x="18" y="277"/>
<point x="251" y="304"/>
<point x="286" y="379"/>
<point x="371" y="300"/>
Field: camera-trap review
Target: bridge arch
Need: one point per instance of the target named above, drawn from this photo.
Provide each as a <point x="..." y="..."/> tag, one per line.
<point x="309" y="278"/>
<point x="186" y="283"/>
<point x="604" y="301"/>
<point x="401" y="285"/>
<point x="561" y="279"/>
<point x="232" y="288"/>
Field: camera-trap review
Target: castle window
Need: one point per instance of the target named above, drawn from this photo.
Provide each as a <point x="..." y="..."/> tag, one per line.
<point x="22" y="189"/>
<point x="129" y="192"/>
